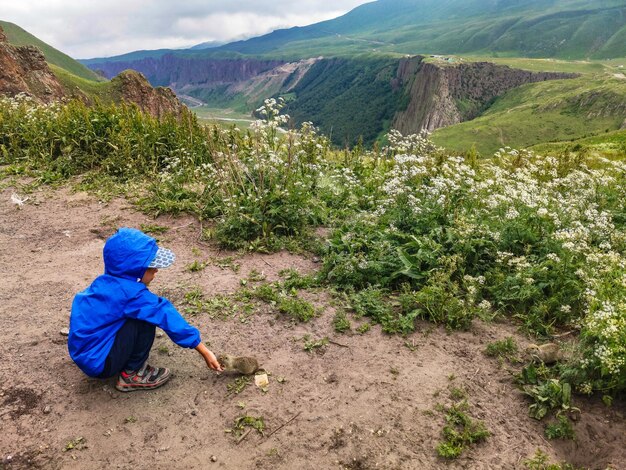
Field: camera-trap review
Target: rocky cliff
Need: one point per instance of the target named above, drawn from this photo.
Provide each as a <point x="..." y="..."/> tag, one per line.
<point x="177" y="71"/>
<point x="23" y="69"/>
<point x="282" y="78"/>
<point x="133" y="87"/>
<point x="442" y="94"/>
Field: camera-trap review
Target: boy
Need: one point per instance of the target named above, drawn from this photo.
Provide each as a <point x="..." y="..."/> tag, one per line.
<point x="113" y="321"/>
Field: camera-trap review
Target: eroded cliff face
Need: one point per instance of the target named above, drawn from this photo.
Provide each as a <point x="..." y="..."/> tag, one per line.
<point x="278" y="80"/>
<point x="133" y="87"/>
<point x="442" y="95"/>
<point x="180" y="71"/>
<point x="23" y="69"/>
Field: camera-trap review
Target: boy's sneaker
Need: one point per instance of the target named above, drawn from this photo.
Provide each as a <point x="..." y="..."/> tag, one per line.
<point x="146" y="378"/>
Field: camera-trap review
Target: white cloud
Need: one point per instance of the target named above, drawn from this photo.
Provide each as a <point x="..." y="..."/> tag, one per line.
<point x="98" y="29"/>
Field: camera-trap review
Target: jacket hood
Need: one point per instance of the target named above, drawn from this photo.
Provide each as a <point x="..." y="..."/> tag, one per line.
<point x="128" y="253"/>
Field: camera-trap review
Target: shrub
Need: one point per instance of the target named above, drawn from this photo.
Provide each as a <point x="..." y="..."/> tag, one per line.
<point x="262" y="188"/>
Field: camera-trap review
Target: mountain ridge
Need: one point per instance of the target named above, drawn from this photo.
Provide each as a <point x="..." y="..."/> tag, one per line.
<point x="567" y="29"/>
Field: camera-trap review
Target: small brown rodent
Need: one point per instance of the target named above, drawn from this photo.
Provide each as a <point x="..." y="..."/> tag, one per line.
<point x="547" y="353"/>
<point x="243" y="365"/>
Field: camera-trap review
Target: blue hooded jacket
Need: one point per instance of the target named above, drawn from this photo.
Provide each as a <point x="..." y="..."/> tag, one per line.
<point x="99" y="311"/>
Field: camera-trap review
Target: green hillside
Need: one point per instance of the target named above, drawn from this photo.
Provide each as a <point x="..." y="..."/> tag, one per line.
<point x="566" y="29"/>
<point x="135" y="55"/>
<point x="19" y="37"/>
<point x="534" y="28"/>
<point x="75" y="85"/>
<point x="610" y="145"/>
<point x="553" y="111"/>
<point x="347" y="99"/>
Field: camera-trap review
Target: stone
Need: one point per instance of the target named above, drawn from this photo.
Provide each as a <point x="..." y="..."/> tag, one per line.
<point x="64" y="331"/>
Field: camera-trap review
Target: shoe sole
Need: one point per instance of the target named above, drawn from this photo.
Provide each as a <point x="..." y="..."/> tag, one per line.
<point x="134" y="387"/>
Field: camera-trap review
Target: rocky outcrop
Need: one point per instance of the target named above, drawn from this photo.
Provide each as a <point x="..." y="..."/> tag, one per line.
<point x="443" y="94"/>
<point x="23" y="69"/>
<point x="133" y="87"/>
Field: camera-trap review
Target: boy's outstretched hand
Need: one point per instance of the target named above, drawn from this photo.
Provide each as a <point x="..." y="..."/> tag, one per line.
<point x="209" y="357"/>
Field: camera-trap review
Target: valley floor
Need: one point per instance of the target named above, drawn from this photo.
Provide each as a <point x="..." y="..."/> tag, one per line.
<point x="365" y="401"/>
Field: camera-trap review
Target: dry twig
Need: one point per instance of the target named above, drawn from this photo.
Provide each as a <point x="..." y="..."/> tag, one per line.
<point x="244" y="435"/>
<point x="285" y="423"/>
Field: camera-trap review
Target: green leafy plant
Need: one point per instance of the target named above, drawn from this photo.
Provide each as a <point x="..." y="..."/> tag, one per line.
<point x="296" y="308"/>
<point x="217" y="306"/>
<point x="227" y="262"/>
<point x="153" y="228"/>
<point x="267" y="293"/>
<point x="371" y="302"/>
<point x="196" y="266"/>
<point x="458" y="393"/>
<point x="341" y="323"/>
<point x="238" y="385"/>
<point x="256" y="276"/>
<point x="541" y="461"/>
<point x="311" y="345"/>
<point x="294" y="280"/>
<point x="561" y="429"/>
<point x="549" y="395"/>
<point x="254" y="422"/>
<point x="460" y="431"/>
<point x="78" y="443"/>
<point x="505" y="348"/>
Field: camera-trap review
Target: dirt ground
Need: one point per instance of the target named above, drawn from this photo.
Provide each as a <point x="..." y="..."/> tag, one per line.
<point x="367" y="402"/>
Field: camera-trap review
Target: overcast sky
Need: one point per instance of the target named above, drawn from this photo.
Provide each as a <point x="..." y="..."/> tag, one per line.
<point x="94" y="28"/>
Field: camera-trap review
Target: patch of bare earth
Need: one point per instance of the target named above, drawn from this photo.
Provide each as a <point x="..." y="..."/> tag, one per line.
<point x="363" y="402"/>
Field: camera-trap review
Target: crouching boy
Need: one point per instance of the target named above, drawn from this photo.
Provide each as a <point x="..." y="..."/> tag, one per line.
<point x="113" y="321"/>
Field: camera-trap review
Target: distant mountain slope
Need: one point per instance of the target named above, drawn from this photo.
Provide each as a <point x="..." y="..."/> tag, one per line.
<point x="19" y="37"/>
<point x="567" y="29"/>
<point x="536" y="28"/>
<point x="128" y="57"/>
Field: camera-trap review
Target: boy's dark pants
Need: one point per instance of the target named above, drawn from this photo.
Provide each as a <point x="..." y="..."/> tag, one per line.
<point x="130" y="349"/>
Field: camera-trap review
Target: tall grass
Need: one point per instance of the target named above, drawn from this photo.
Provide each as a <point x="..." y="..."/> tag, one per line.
<point x="62" y="140"/>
